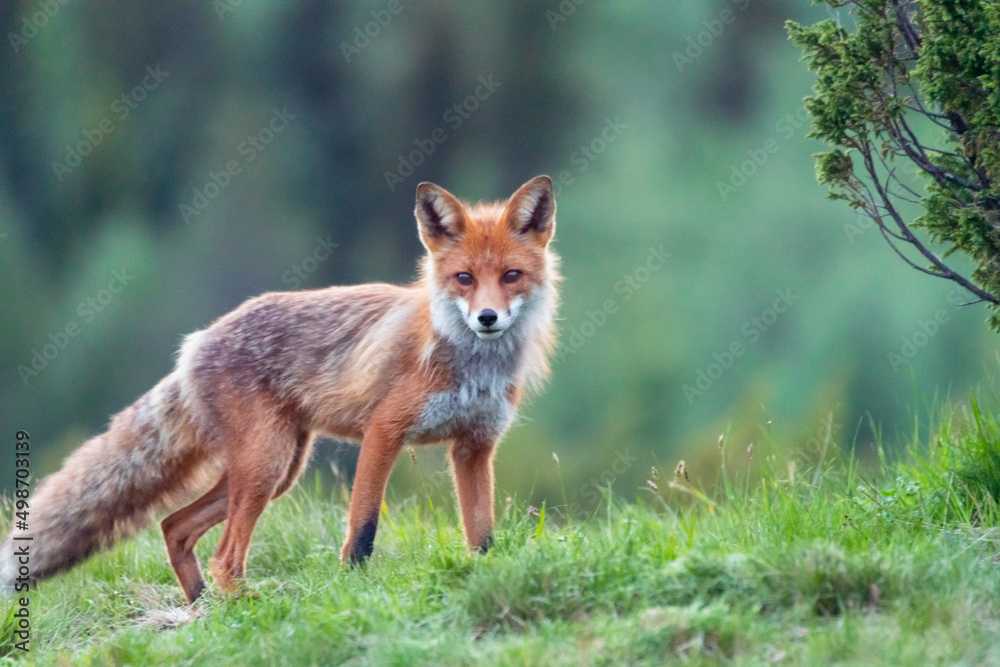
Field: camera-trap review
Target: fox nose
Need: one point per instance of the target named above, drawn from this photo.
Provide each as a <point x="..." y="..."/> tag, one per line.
<point x="487" y="318"/>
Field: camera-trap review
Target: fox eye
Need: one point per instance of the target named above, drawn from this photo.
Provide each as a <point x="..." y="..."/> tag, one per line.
<point x="512" y="277"/>
<point x="464" y="278"/>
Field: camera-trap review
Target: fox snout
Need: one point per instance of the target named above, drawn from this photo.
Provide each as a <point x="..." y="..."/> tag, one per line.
<point x="487" y="325"/>
<point x="489" y="322"/>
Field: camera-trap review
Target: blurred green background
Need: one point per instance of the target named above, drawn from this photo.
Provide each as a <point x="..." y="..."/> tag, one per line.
<point x="209" y="152"/>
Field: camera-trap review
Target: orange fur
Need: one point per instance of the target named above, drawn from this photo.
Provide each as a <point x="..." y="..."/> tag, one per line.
<point x="444" y="359"/>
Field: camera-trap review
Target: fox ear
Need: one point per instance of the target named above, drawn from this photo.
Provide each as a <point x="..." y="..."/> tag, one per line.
<point x="440" y="218"/>
<point x="531" y="210"/>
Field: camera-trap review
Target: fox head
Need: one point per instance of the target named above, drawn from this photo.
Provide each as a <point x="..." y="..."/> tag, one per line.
<point x="488" y="265"/>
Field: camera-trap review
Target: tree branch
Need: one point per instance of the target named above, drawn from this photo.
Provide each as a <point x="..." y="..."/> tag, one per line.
<point x="943" y="271"/>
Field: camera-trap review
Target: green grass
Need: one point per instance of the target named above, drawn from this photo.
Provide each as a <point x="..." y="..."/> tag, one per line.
<point x="894" y="564"/>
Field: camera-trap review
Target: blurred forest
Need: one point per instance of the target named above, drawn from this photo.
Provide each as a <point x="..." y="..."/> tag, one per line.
<point x="160" y="162"/>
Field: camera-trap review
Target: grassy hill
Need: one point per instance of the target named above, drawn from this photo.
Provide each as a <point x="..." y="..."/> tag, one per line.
<point x="899" y="565"/>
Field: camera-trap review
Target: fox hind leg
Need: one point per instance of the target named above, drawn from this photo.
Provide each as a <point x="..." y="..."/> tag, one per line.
<point x="300" y="460"/>
<point x="258" y="464"/>
<point x="184" y="528"/>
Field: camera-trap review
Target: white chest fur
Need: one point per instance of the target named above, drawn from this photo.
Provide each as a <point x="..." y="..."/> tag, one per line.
<point x="477" y="404"/>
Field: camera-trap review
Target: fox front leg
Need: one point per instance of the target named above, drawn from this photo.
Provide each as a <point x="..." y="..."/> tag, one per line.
<point x="379" y="449"/>
<point x="472" y="470"/>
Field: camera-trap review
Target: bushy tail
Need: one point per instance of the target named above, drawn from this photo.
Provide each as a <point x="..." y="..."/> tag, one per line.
<point x="148" y="460"/>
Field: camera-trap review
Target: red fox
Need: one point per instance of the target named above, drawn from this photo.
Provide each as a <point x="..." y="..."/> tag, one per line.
<point x="444" y="359"/>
